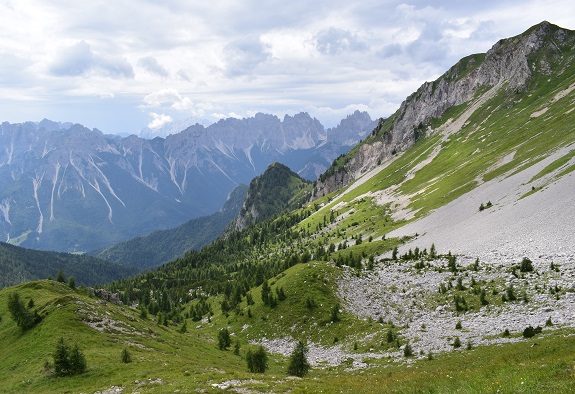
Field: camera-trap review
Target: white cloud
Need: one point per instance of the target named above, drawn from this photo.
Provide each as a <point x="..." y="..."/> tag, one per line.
<point x="243" y="55"/>
<point x="334" y="41"/>
<point x="159" y="120"/>
<point x="168" y="98"/>
<point x="229" y="115"/>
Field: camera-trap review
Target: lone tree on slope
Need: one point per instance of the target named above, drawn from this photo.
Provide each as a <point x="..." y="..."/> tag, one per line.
<point x="298" y="365"/>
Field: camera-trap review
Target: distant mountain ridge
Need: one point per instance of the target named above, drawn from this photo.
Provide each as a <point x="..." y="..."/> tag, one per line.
<point x="65" y="187"/>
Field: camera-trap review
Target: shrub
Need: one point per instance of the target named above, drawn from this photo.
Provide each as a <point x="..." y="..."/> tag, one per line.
<point x="458" y="325"/>
<point x="531" y="332"/>
<point x="526" y="265"/>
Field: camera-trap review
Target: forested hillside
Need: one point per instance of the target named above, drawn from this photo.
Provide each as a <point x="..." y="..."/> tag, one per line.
<point x="21" y="265"/>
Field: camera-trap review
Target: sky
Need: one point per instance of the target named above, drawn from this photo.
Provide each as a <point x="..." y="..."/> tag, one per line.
<point x="123" y="65"/>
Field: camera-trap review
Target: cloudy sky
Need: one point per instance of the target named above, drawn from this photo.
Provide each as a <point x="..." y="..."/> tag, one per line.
<point x="123" y="65"/>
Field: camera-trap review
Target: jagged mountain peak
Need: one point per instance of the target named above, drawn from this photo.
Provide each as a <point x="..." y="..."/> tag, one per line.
<point x="69" y="188"/>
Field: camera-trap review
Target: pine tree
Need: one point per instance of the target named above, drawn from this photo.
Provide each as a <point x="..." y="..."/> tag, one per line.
<point x="77" y="361"/>
<point x="298" y="364"/>
<point x="61" y="277"/>
<point x="23" y="317"/>
<point x="432" y="251"/>
<point x="62" y="358"/>
<point x="266" y="292"/>
<point x="335" y="313"/>
<point x="257" y="361"/>
<point x="72" y="283"/>
<point x="224" y="340"/>
<point x="125" y="356"/>
<point x="68" y="362"/>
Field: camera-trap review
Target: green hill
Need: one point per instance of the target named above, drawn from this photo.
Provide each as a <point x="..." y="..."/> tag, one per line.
<point x="276" y="191"/>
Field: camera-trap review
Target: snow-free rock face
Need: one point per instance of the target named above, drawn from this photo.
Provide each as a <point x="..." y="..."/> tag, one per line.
<point x="68" y="188"/>
<point x="509" y="65"/>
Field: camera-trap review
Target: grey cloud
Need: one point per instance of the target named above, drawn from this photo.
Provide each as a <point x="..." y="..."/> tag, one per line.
<point x="151" y="65"/>
<point x="390" y="50"/>
<point x="333" y="41"/>
<point x="73" y="61"/>
<point x="243" y="55"/>
<point x="79" y="60"/>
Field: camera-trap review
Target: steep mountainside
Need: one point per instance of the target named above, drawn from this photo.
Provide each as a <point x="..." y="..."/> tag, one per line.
<point x="65" y="187"/>
<point x="512" y="68"/>
<point x="276" y="191"/>
<point x="162" y="246"/>
<point x="21" y="265"/>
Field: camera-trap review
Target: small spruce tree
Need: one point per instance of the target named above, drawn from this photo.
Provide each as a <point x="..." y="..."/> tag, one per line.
<point x="407" y="350"/>
<point x="335" y="313"/>
<point x="60" y="277"/>
<point x="77" y="361"/>
<point x="61" y="358"/>
<point x="257" y="361"/>
<point x="298" y="364"/>
<point x="457" y="342"/>
<point x="125" y="356"/>
<point x="224" y="341"/>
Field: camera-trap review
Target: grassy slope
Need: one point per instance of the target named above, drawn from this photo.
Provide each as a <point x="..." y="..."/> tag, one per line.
<point x="191" y="361"/>
<point x="502" y="127"/>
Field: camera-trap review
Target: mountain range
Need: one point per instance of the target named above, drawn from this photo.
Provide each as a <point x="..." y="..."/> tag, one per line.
<point x="67" y="188"/>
